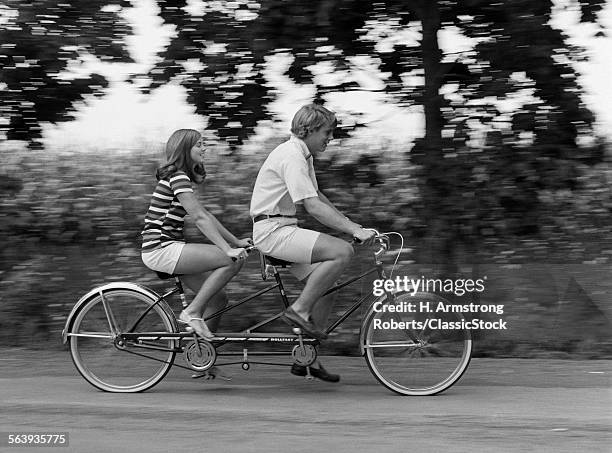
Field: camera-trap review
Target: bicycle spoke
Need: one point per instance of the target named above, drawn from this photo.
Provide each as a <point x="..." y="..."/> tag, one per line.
<point x="106" y="360"/>
<point x="415" y="361"/>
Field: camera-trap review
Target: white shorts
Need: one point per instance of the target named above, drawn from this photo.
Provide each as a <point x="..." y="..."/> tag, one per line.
<point x="281" y="238"/>
<point x="164" y="259"/>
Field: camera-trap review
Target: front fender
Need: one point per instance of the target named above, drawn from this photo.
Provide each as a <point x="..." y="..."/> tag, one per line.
<point x="366" y="319"/>
<point x="100" y="289"/>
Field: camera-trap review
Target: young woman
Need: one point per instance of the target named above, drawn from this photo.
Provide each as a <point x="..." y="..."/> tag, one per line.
<point x="204" y="268"/>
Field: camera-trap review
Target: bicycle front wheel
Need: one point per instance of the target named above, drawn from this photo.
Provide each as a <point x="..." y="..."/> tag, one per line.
<point x="106" y="359"/>
<point x="409" y="352"/>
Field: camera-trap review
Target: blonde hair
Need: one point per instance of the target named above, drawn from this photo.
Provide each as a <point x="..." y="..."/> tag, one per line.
<point x="178" y="153"/>
<point x="310" y="118"/>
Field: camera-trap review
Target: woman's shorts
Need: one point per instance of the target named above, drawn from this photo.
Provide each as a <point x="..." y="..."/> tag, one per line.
<point x="164" y="259"/>
<point x="282" y="238"/>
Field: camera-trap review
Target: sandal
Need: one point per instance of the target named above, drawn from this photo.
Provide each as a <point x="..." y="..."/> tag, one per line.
<point x="196" y="324"/>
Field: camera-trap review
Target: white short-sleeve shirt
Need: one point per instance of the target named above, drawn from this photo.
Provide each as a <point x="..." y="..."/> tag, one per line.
<point x="286" y="177"/>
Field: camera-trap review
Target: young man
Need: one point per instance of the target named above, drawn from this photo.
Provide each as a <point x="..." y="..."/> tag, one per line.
<point x="287" y="178"/>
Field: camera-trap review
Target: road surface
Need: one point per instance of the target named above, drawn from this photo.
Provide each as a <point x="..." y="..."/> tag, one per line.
<point x="506" y="405"/>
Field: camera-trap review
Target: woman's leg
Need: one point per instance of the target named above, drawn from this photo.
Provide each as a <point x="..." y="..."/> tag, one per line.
<point x="200" y="258"/>
<point x="219" y="301"/>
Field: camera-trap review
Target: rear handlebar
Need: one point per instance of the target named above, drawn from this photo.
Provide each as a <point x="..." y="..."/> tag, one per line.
<point x="247" y="249"/>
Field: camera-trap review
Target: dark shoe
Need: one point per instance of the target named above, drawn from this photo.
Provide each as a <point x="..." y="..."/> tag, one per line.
<point x="292" y="318"/>
<point x="319" y="373"/>
<point x="213" y="373"/>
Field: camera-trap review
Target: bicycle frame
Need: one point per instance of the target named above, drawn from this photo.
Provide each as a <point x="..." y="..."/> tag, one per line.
<point x="378" y="268"/>
<point x="248" y="335"/>
<point x="93" y="324"/>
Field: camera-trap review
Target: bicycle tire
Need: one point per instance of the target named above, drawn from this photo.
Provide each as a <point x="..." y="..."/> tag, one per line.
<point x="122" y="369"/>
<point x="412" y="361"/>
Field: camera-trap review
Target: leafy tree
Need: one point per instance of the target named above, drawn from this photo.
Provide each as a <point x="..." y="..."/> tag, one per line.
<point x="470" y="187"/>
<point x="467" y="190"/>
<point x="40" y="40"/>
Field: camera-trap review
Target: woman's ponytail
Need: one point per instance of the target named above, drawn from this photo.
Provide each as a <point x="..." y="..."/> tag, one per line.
<point x="165" y="171"/>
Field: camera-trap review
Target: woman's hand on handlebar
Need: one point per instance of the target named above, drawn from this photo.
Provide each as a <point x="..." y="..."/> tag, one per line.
<point x="244" y="243"/>
<point x="237" y="254"/>
<point x="364" y="236"/>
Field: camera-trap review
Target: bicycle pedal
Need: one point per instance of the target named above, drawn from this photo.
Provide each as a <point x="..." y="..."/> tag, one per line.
<point x="308" y="377"/>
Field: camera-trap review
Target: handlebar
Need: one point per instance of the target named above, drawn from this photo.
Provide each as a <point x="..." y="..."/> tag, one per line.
<point x="381" y="238"/>
<point x="247" y="249"/>
<point x="378" y="236"/>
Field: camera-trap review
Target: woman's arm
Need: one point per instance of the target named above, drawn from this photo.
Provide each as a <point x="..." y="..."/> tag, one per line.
<point x="229" y="237"/>
<point x="206" y="222"/>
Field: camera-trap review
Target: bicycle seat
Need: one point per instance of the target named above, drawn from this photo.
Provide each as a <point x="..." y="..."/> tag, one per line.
<point x="277" y="261"/>
<point x="165" y="276"/>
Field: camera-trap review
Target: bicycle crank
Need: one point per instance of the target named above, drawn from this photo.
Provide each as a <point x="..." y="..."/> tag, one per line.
<point x="200" y="356"/>
<point x="304" y="355"/>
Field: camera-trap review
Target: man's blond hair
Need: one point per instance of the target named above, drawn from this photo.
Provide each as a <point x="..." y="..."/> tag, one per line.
<point x="310" y="118"/>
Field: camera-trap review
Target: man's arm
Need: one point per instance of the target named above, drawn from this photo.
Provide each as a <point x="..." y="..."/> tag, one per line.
<point x="325" y="200"/>
<point x="322" y="210"/>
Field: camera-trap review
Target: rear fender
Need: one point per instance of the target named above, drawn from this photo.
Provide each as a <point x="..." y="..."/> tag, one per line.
<point x="101" y="289"/>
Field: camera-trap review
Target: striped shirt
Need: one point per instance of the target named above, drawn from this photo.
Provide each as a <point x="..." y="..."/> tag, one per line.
<point x="165" y="218"/>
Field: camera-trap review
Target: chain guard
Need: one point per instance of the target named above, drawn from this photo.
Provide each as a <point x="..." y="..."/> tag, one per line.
<point x="200" y="360"/>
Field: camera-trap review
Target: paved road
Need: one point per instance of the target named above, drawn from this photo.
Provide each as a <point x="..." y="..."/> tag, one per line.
<point x="499" y="405"/>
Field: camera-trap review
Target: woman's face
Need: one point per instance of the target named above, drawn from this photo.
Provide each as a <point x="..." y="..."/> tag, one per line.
<point x="197" y="159"/>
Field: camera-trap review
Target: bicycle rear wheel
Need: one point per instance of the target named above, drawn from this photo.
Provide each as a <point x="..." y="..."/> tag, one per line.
<point x="105" y="359"/>
<point x="416" y="357"/>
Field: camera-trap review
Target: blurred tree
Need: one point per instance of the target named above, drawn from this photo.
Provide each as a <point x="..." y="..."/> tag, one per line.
<point x="470" y="185"/>
<point x="41" y="42"/>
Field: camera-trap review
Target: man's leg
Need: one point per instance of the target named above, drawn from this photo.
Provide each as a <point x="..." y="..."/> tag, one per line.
<point x="319" y="316"/>
<point x="322" y="309"/>
<point x="334" y="255"/>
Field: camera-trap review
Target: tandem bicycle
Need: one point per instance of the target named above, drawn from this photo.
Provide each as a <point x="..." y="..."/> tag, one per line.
<point x="124" y="337"/>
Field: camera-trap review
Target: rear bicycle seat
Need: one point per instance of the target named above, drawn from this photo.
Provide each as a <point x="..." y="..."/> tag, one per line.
<point x="267" y="263"/>
<point x="277" y="261"/>
<point x="165" y="276"/>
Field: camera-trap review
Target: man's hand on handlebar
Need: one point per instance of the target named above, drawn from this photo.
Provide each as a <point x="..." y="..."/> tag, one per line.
<point x="364" y="236"/>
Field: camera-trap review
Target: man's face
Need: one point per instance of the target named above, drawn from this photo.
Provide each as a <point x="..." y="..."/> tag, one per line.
<point x="318" y="139"/>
